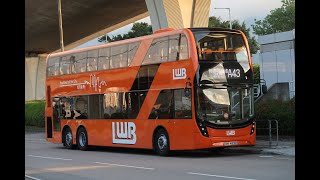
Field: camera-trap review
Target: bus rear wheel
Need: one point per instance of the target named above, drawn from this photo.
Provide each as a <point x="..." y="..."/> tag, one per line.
<point x="161" y="143"/>
<point x="67" y="139"/>
<point x="82" y="139"/>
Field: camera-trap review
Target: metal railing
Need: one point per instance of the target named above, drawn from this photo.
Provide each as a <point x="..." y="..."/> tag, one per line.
<point x="269" y="128"/>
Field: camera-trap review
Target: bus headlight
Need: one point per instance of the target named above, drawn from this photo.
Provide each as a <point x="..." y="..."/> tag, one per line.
<point x="252" y="127"/>
<point x="203" y="129"/>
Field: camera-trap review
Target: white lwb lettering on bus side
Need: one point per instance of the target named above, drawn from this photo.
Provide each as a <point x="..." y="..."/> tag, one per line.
<point x="123" y="133"/>
<point x="180" y="73"/>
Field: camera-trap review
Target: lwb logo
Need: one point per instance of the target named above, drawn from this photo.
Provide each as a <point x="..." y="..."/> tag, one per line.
<point x="124" y="133"/>
<point x="180" y="73"/>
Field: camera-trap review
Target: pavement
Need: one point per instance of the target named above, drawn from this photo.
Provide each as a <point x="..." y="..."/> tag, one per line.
<point x="263" y="146"/>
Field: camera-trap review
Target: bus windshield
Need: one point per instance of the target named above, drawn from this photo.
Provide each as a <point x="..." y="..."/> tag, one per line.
<point x="224" y="79"/>
<point x="224" y="105"/>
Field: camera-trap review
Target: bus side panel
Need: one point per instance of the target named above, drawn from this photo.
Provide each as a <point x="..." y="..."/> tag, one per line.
<point x="182" y="134"/>
<point x="100" y="132"/>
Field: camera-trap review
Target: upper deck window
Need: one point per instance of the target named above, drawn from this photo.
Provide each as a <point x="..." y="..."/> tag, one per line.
<point x="220" y="46"/>
<point x="119" y="56"/>
<point x="53" y="66"/>
<point x="164" y="49"/>
<point x="93" y="60"/>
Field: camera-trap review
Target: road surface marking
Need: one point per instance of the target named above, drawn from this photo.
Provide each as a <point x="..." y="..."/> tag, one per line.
<point x="284" y="158"/>
<point x="229" y="177"/>
<point x="266" y="156"/>
<point x="125" y="166"/>
<point x="31" y="177"/>
<point x="50" y="157"/>
<point x="32" y="139"/>
<point x="64" y="169"/>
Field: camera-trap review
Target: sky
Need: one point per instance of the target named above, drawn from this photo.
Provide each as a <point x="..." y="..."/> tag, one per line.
<point x="243" y="10"/>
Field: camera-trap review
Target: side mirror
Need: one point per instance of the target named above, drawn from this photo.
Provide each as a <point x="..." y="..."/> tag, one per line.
<point x="264" y="89"/>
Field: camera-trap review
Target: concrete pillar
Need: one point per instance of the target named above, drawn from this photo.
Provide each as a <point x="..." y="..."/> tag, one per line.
<point x="35" y="74"/>
<point x="178" y="14"/>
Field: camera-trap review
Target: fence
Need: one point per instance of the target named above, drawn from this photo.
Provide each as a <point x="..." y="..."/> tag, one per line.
<point x="268" y="130"/>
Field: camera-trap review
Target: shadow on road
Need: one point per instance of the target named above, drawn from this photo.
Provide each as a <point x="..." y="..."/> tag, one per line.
<point x="204" y="153"/>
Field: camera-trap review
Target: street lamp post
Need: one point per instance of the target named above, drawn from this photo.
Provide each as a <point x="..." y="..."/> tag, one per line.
<point x="60" y="26"/>
<point x="230" y="26"/>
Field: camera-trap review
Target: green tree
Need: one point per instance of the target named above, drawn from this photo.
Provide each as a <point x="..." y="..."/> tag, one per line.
<point x="137" y="30"/>
<point x="256" y="70"/>
<point x="217" y="22"/>
<point x="279" y="20"/>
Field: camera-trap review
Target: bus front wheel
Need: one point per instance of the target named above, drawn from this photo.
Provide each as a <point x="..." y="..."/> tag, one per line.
<point x="161" y="143"/>
<point x="82" y="139"/>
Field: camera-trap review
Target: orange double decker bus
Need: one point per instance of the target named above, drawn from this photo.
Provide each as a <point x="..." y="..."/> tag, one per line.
<point x="173" y="90"/>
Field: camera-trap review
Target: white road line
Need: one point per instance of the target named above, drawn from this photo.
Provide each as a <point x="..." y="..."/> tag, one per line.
<point x="32" y="139"/>
<point x="266" y="156"/>
<point x="50" y="157"/>
<point x="31" y="177"/>
<point x="284" y="158"/>
<point x="229" y="177"/>
<point x="125" y="166"/>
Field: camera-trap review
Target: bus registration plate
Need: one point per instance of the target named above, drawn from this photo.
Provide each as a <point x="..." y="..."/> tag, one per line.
<point x="230" y="143"/>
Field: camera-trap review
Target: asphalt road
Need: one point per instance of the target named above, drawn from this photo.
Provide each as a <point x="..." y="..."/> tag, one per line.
<point x="47" y="161"/>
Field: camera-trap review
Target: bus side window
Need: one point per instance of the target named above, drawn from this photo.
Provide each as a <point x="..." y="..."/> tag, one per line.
<point x="65" y="65"/>
<point x="158" y="52"/>
<point x="53" y="66"/>
<point x="81" y="107"/>
<point x="133" y="47"/>
<point x="119" y="56"/>
<point x="92" y="60"/>
<point x="80" y="63"/>
<point x="163" y="108"/>
<point x="173" y="47"/>
<point x="184" y="51"/>
<point x="104" y="59"/>
<point x="182" y="103"/>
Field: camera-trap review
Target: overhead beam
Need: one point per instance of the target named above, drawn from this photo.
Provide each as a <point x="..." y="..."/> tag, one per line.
<point x="178" y="13"/>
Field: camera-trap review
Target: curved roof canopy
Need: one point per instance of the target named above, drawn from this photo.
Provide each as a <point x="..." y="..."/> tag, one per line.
<point x="82" y="21"/>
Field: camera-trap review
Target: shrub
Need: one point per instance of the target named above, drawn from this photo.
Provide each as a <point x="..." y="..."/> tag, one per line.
<point x="34" y="113"/>
<point x="283" y="111"/>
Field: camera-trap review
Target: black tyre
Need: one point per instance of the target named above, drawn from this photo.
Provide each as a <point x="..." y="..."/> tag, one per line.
<point x="161" y="143"/>
<point x="82" y="139"/>
<point x="67" y="139"/>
